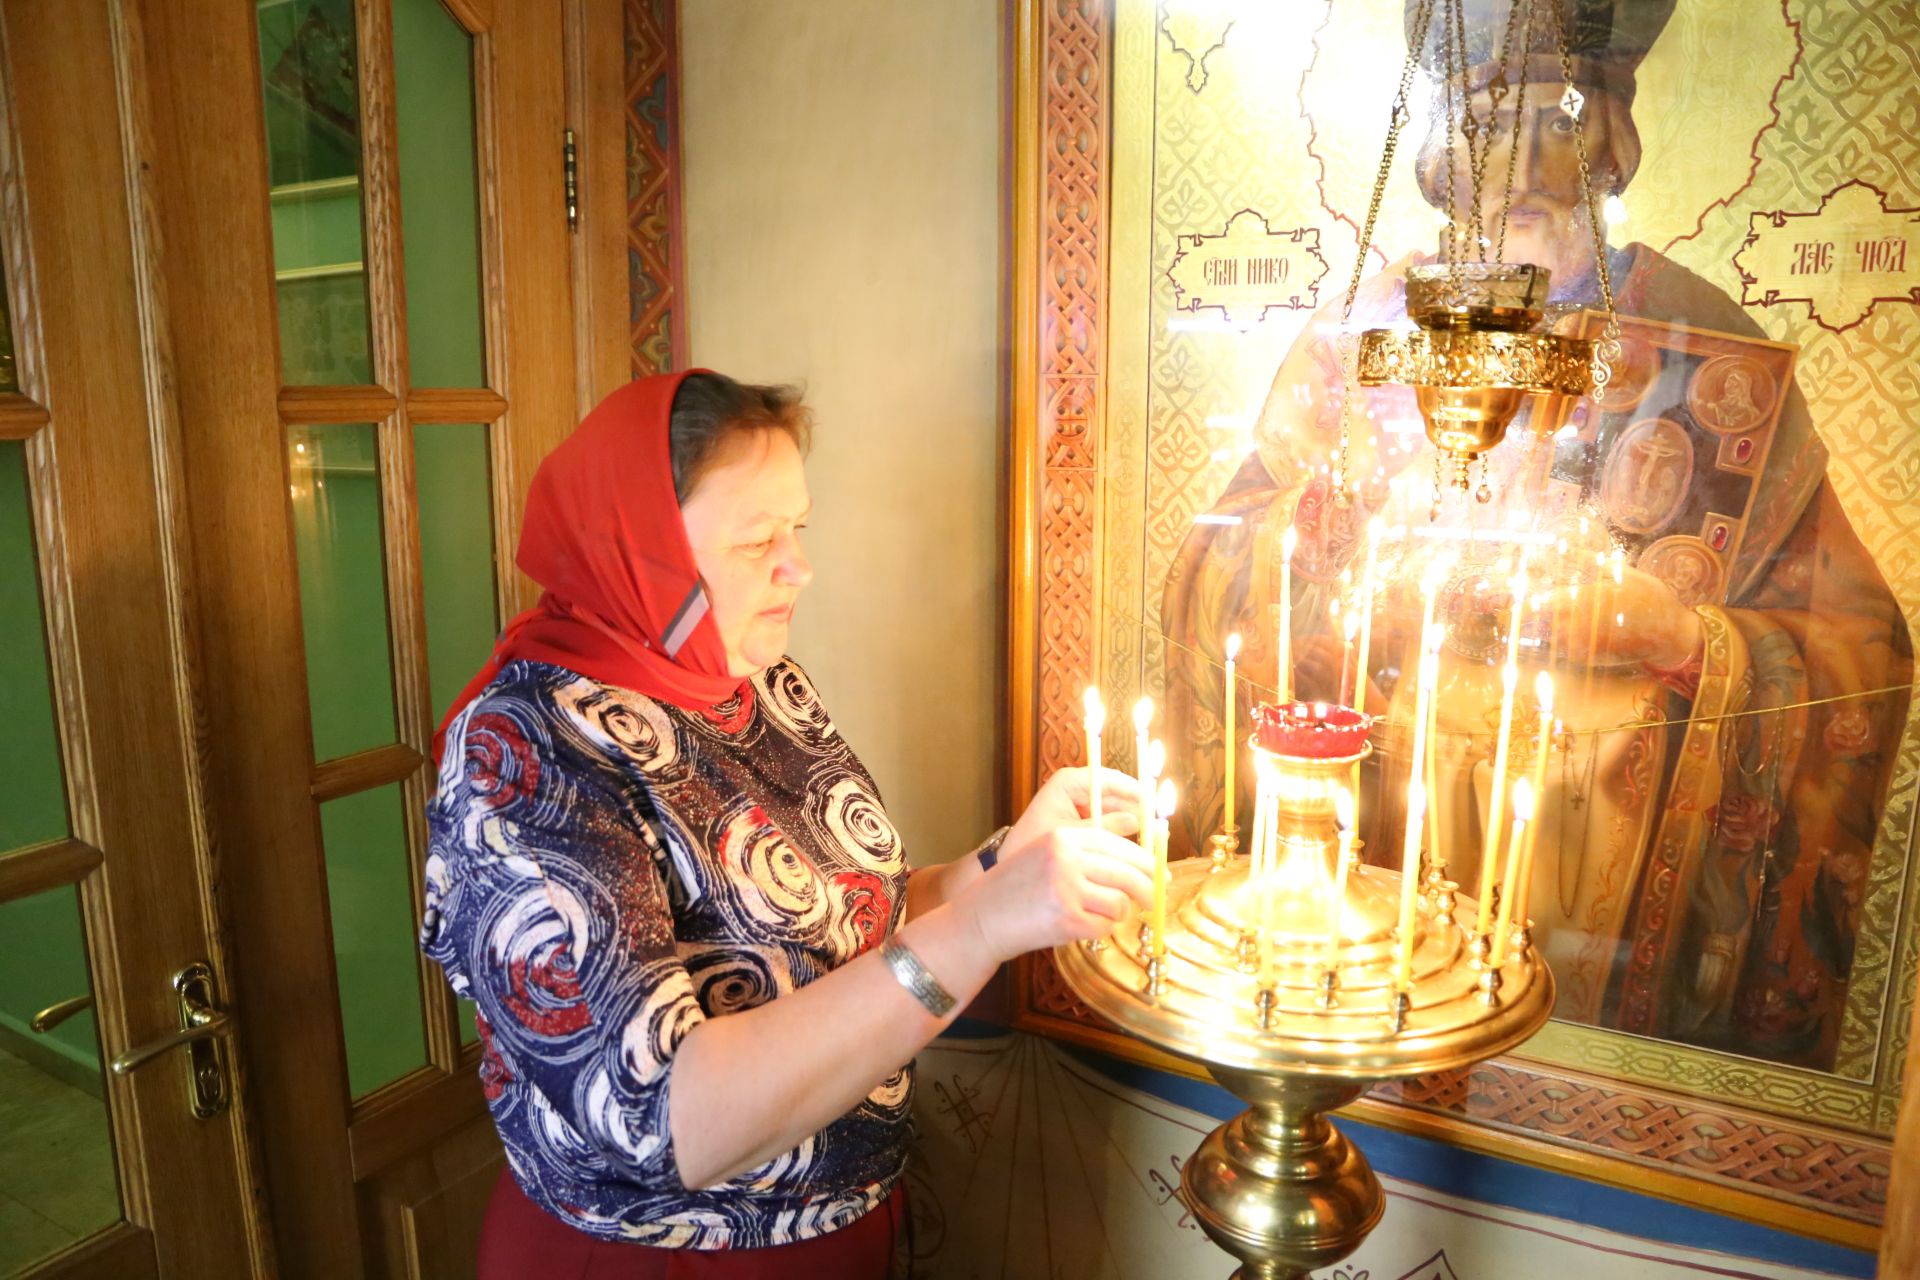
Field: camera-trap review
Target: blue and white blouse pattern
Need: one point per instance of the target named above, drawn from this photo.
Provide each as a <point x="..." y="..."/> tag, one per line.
<point x="604" y="872"/>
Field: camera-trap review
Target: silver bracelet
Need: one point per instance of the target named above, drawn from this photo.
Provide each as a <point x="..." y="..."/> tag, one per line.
<point x="917" y="978"/>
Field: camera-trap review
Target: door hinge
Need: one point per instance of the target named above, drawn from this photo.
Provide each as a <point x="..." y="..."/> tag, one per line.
<point x="573" y="183"/>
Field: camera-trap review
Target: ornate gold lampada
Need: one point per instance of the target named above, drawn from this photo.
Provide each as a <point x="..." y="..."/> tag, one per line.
<point x="1476" y="354"/>
<point x="1288" y="977"/>
<point x="1476" y="357"/>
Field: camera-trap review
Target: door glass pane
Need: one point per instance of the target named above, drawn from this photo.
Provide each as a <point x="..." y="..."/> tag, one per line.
<point x="455" y="488"/>
<point x="57" y="1181"/>
<point x="439" y="195"/>
<point x="33" y="803"/>
<point x="335" y="488"/>
<point x="370" y="899"/>
<point x="9" y="373"/>
<point x="309" y="75"/>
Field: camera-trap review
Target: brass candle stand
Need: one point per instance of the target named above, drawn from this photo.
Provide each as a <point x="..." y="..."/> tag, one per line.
<point x="1244" y="986"/>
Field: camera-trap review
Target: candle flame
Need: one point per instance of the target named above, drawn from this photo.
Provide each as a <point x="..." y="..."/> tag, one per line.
<point x="1096" y="710"/>
<point x="1376" y="526"/>
<point x="1522" y="800"/>
<point x="1233" y="646"/>
<point x="1166" y="799"/>
<point x="1353" y="624"/>
<point x="1619" y="567"/>
<point x="1288" y="541"/>
<point x="1343" y="813"/>
<point x="1142" y="714"/>
<point x="1543" y="693"/>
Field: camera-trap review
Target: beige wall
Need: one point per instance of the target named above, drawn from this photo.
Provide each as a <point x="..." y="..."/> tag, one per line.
<point x="843" y="230"/>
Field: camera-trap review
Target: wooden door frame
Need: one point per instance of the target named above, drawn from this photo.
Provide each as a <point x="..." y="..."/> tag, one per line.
<point x="630" y="285"/>
<point x="96" y="361"/>
<point x="211" y="202"/>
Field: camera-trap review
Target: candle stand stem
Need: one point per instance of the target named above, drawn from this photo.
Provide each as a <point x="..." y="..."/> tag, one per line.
<point x="1278" y="1186"/>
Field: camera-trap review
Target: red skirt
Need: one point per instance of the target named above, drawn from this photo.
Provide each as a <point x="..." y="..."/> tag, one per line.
<point x="520" y="1240"/>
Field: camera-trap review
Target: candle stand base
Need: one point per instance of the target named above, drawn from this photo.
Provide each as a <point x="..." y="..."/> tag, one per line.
<point x="1278" y="1186"/>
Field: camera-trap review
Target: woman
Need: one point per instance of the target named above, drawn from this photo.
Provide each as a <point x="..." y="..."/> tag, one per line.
<point x="698" y="959"/>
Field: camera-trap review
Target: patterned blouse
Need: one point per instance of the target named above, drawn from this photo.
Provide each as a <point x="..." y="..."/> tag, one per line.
<point x="604" y="872"/>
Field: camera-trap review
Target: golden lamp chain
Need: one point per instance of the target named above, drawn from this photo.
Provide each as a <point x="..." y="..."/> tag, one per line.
<point x="1397" y="119"/>
<point x="1519" y="120"/>
<point x="1607" y="350"/>
<point x="1477" y="355"/>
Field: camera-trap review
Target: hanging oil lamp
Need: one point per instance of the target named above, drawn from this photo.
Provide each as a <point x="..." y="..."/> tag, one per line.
<point x="1477" y="353"/>
<point x="1477" y="357"/>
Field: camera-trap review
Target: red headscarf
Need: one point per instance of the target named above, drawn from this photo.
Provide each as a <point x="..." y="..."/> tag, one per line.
<point x="621" y="601"/>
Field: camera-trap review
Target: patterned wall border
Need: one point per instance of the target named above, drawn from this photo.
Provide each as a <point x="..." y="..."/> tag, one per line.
<point x="656" y="281"/>
<point x="1072" y="314"/>
<point x="1797" y="1175"/>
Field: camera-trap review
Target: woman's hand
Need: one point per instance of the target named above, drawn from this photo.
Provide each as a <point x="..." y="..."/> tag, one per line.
<point x="1062" y="799"/>
<point x="1074" y="882"/>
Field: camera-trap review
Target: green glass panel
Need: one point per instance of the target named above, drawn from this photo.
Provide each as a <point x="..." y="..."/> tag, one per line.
<point x="33" y="801"/>
<point x="9" y="372"/>
<point x="57" y="1180"/>
<point x="309" y="79"/>
<point x="335" y="486"/>
<point x="469" y="1032"/>
<point x="455" y="488"/>
<point x="439" y="195"/>
<point x="370" y="901"/>
<point x="323" y="330"/>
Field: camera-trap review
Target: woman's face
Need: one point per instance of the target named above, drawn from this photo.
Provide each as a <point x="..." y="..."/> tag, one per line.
<point x="743" y="520"/>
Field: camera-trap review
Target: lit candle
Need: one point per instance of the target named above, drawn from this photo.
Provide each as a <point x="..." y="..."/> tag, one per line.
<point x="1343" y="814"/>
<point x="1233" y="747"/>
<point x="1269" y="896"/>
<point x="1351" y="626"/>
<point x="1522" y="833"/>
<point x="1153" y="763"/>
<point x="1429" y="670"/>
<point x="1502" y="748"/>
<point x="1374" y="528"/>
<point x="1165" y="810"/>
<point x="1142" y="721"/>
<point x="1429" y="729"/>
<point x="1257" y="838"/>
<point x="1283" y="669"/>
<point x="1543" y="692"/>
<point x="1403" y="938"/>
<point x="1096" y="723"/>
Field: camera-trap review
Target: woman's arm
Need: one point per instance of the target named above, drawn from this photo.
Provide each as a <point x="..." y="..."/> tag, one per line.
<point x="929" y="888"/>
<point x="751" y="1085"/>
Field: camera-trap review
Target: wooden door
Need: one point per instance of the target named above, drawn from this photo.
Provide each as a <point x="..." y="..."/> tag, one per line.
<point x="369" y="274"/>
<point x="106" y="871"/>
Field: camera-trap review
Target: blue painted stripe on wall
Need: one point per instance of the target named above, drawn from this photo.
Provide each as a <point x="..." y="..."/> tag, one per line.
<point x="1492" y="1180"/>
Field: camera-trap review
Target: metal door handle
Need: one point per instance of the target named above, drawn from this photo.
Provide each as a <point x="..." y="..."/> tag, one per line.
<point x="202" y="1023"/>
<point x="55" y="1014"/>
